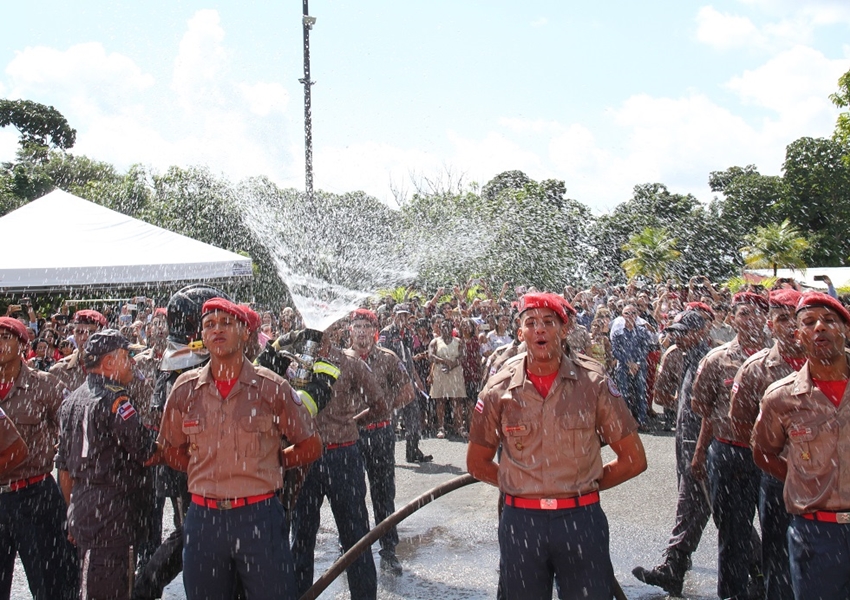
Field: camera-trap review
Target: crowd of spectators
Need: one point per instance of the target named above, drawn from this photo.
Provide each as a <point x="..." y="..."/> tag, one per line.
<point x="458" y="328"/>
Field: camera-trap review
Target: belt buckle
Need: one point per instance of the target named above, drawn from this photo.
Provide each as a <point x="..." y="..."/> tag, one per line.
<point x="5" y="489"/>
<point x="225" y="504"/>
<point x="842" y="518"/>
<point x="548" y="504"/>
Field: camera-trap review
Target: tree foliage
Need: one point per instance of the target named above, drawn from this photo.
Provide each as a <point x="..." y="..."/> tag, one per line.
<point x="776" y="246"/>
<point x="653" y="253"/>
<point x="39" y="125"/>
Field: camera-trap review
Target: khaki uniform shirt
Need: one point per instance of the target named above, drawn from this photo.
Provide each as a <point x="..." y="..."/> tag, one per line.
<point x="234" y="443"/>
<point x="670" y="371"/>
<point x="713" y="386"/>
<point x="551" y="447"/>
<point x="753" y="378"/>
<point x="395" y="387"/>
<point x="33" y="406"/>
<point x="354" y="391"/>
<point x="70" y="371"/>
<point x="797" y="417"/>
<point x="8" y="432"/>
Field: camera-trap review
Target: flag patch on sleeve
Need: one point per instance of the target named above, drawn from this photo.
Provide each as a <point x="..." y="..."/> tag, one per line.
<point x="479" y="406"/>
<point x="126" y="410"/>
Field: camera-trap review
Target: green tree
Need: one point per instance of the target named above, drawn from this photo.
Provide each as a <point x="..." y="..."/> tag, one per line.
<point x="776" y="246"/>
<point x="39" y="125"/>
<point x="841" y="99"/>
<point x="705" y="242"/>
<point x="818" y="198"/>
<point x="653" y="253"/>
<point x="750" y="199"/>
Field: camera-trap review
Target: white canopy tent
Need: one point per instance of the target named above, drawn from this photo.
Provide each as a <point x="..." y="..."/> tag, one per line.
<point x="840" y="276"/>
<point x="63" y="242"/>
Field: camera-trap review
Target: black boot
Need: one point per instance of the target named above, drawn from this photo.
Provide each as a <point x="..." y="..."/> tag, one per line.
<point x="669" y="575"/>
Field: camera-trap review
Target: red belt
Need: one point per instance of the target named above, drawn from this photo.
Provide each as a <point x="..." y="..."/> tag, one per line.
<point x="342" y="445"/>
<point x="828" y="516"/>
<point x="20" y="484"/>
<point x="552" y="503"/>
<point x="733" y="443"/>
<point x="378" y="425"/>
<point x="230" y="502"/>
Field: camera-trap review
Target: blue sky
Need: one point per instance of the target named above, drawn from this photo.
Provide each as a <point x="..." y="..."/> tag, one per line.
<point x="603" y="95"/>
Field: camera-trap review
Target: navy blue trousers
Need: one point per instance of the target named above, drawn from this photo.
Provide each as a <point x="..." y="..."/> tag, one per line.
<point x="733" y="481"/>
<point x="339" y="475"/>
<point x="538" y="547"/>
<point x="820" y="559"/>
<point x="32" y="525"/>
<point x="378" y="449"/>
<point x="249" y="540"/>
<point x="774" y="521"/>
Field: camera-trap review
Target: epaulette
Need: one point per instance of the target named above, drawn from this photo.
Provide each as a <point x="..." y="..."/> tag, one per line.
<point x="115" y="389"/>
<point x="787" y="380"/>
<point x="502" y="375"/>
<point x="588" y="362"/>
<point x="388" y="352"/>
<point x="760" y="355"/>
<point x="718" y="350"/>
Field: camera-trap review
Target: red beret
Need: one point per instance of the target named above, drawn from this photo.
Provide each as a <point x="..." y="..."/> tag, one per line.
<point x="227" y="306"/>
<point x="700" y="306"/>
<point x="810" y="299"/>
<point x="547" y="300"/>
<point x="750" y="298"/>
<point x="16" y="327"/>
<point x="161" y="311"/>
<point x="254" y="320"/>
<point x="365" y="314"/>
<point x="89" y="317"/>
<point x="785" y="298"/>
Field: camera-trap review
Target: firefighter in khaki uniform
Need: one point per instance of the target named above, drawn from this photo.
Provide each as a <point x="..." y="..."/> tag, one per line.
<point x="377" y="438"/>
<point x="32" y="510"/>
<point x="800" y="437"/>
<point x="223" y="425"/>
<point x="755" y="375"/>
<point x="733" y="478"/>
<point x="551" y="412"/>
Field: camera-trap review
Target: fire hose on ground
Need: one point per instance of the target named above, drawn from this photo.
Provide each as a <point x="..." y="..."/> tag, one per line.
<point x="342" y="563"/>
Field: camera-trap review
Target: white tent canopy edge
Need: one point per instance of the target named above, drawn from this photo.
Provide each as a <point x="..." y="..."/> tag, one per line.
<point x="61" y="241"/>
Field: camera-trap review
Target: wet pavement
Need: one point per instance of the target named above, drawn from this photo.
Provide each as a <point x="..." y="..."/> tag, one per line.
<point x="449" y="548"/>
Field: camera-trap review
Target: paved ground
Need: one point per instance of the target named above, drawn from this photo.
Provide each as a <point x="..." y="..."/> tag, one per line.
<point x="449" y="548"/>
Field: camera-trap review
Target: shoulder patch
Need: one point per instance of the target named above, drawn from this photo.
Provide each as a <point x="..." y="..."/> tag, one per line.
<point x="735" y="387"/>
<point x="295" y="397"/>
<point x="612" y="387"/>
<point x="126" y="410"/>
<point x="118" y="402"/>
<point x="479" y="406"/>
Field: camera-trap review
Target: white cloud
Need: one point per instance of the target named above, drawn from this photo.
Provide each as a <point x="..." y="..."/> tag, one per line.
<point x="726" y="31"/>
<point x="540" y="22"/>
<point x="201" y="61"/>
<point x="84" y="73"/>
<point x="265" y="98"/>
<point x="795" y="83"/>
<point x="206" y="116"/>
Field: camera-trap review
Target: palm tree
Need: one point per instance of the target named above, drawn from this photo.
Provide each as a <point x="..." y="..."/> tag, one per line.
<point x="774" y="246"/>
<point x="653" y="253"/>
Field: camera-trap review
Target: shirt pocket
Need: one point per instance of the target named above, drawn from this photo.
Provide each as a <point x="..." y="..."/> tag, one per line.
<point x="193" y="428"/>
<point x="251" y="433"/>
<point x="515" y="436"/>
<point x="576" y="432"/>
<point x="812" y="446"/>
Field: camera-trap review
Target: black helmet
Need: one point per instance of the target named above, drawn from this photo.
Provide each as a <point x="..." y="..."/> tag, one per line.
<point x="184" y="312"/>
